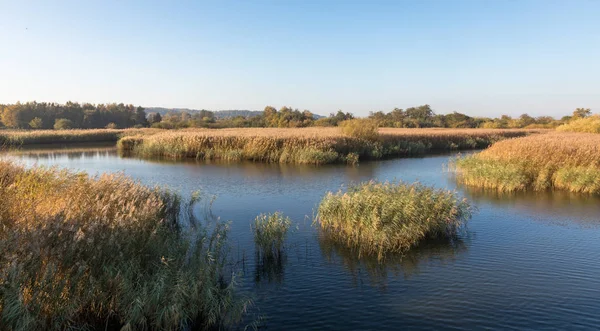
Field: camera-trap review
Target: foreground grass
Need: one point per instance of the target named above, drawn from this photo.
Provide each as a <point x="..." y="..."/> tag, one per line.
<point x="106" y="253"/>
<point x="564" y="161"/>
<point x="307" y="145"/>
<point x="378" y="218"/>
<point x="589" y="124"/>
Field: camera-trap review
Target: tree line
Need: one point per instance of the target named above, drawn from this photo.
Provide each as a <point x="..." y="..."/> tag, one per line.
<point x="71" y="115"/>
<point x="34" y="115"/>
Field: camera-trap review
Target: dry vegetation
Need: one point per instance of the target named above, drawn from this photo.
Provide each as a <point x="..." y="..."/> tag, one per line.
<point x="307" y="145"/>
<point x="105" y="253"/>
<point x="31" y="137"/>
<point x="378" y="218"/>
<point x="565" y="161"/>
<point x="589" y="124"/>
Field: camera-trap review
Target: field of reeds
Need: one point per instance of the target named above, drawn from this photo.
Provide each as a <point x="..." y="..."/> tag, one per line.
<point x="307" y="145"/>
<point x="107" y="253"/>
<point x="32" y="137"/>
<point x="376" y="218"/>
<point x="560" y="160"/>
<point x="589" y="124"/>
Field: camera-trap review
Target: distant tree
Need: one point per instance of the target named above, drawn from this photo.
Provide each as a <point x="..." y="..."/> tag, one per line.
<point x="154" y="118"/>
<point x="140" y="117"/>
<point x="582" y="113"/>
<point x="525" y="120"/>
<point x="63" y="124"/>
<point x="36" y="123"/>
<point x="11" y="117"/>
<point x="111" y="126"/>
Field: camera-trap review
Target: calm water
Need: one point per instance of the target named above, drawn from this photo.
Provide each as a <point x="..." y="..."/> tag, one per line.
<point x="529" y="261"/>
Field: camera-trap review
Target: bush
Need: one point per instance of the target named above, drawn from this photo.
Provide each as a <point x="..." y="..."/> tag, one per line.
<point x="377" y="218"/>
<point x="36" y="123"/>
<point x="63" y="124"/>
<point x="589" y="124"/>
<point x="112" y="126"/>
<point x="360" y="128"/>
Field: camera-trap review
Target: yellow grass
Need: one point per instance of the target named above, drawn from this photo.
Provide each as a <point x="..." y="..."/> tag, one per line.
<point x="29" y="137"/>
<point x="567" y="161"/>
<point x="307" y="145"/>
<point x="105" y="252"/>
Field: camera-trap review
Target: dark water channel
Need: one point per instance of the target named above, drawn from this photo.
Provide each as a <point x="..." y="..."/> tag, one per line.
<point x="528" y="261"/>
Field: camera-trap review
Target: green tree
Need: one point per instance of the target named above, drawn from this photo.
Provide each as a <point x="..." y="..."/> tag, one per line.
<point x="63" y="124"/>
<point x="154" y="118"/>
<point x="582" y="113"/>
<point x="36" y="123"/>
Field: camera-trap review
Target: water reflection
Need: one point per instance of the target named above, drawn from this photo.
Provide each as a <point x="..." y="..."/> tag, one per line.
<point x="379" y="273"/>
<point x="269" y="267"/>
<point x="552" y="206"/>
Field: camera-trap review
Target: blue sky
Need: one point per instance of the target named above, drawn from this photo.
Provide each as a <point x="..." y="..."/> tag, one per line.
<point x="483" y="58"/>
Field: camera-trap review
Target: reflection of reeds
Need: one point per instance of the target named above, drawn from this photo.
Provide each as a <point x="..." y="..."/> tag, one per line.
<point x="106" y="251"/>
<point x="270" y="267"/>
<point x="378" y="218"/>
<point x="306" y="145"/>
<point x="564" y="161"/>
<point x="395" y="264"/>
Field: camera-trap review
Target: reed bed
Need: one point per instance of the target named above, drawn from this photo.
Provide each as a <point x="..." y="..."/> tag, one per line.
<point x="307" y="145"/>
<point x="31" y="137"/>
<point x="563" y="161"/>
<point x="106" y="253"/>
<point x="376" y="218"/>
<point x="270" y="231"/>
<point x="589" y="124"/>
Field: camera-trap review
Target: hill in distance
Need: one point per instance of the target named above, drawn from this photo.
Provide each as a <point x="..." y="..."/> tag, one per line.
<point x="219" y="114"/>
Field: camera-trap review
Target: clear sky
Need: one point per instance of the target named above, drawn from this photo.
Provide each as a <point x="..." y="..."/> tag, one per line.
<point x="483" y="57"/>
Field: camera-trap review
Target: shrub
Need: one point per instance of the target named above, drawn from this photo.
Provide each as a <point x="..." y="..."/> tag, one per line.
<point x="63" y="124"/>
<point x="588" y="124"/>
<point x="360" y="128"/>
<point x="111" y="126"/>
<point x="377" y="218"/>
<point x="36" y="123"/>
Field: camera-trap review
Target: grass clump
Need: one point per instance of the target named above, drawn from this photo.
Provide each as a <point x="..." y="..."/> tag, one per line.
<point x="588" y="124"/>
<point x="105" y="252"/>
<point x="564" y="161"/>
<point x="376" y="218"/>
<point x="270" y="231"/>
<point x="31" y="137"/>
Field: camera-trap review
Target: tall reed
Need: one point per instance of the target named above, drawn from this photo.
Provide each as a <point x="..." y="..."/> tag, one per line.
<point x="377" y="218"/>
<point x="105" y="252"/>
<point x="307" y="145"/>
<point x="565" y="161"/>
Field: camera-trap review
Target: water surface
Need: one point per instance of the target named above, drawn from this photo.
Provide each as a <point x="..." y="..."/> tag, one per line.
<point x="527" y="261"/>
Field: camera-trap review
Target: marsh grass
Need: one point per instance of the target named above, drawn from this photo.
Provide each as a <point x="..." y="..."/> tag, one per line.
<point x="564" y="161"/>
<point x="270" y="232"/>
<point x="105" y="252"/>
<point x="33" y="137"/>
<point x="376" y="218"/>
<point x="306" y="145"/>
